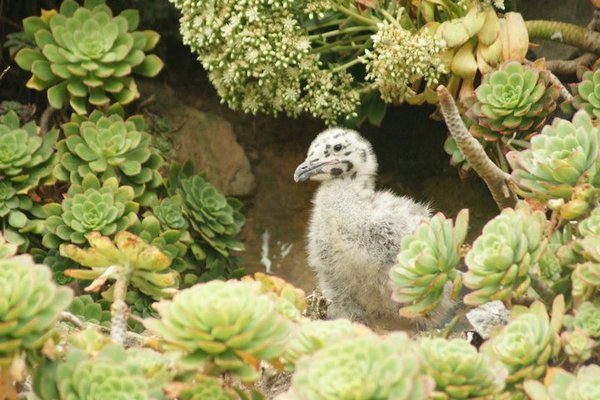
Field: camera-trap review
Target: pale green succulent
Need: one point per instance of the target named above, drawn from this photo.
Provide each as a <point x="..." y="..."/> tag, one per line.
<point x="499" y="262"/>
<point x="291" y="301"/>
<point x="427" y="261"/>
<point x="113" y="373"/>
<point x="208" y="388"/>
<point x="223" y="326"/>
<point x="563" y="385"/>
<point x="312" y="336"/>
<point x="587" y="91"/>
<point x="29" y="306"/>
<point x="459" y="371"/>
<point x="367" y="367"/>
<point x="143" y="265"/>
<point x="514" y="99"/>
<point x="107" y="145"/>
<point x="587" y="318"/>
<point x="85" y="54"/>
<point x="527" y="343"/>
<point x="90" y="207"/>
<point x="586" y="276"/>
<point x="563" y="156"/>
<point x="577" y="345"/>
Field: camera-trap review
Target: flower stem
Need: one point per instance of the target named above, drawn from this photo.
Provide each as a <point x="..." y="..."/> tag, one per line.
<point x="119" y="310"/>
<point x="388" y="17"/>
<point x="570" y="34"/>
<point x="495" y="179"/>
<point x="354" y="15"/>
<point x="347" y="65"/>
<point x="342" y="31"/>
<point x="326" y="23"/>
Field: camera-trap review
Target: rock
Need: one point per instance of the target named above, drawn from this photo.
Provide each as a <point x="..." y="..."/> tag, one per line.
<point x="488" y="317"/>
<point x="577" y="12"/>
<point x="205" y="138"/>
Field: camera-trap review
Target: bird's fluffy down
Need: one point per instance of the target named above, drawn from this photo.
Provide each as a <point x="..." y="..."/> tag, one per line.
<point x="355" y="231"/>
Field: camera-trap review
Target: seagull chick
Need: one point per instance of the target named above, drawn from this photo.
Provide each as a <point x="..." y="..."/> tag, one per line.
<point x="355" y="231"/>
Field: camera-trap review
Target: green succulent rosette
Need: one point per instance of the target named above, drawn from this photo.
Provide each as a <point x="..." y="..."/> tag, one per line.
<point x="88" y="310"/>
<point x="577" y="345"/>
<point x="527" y="343"/>
<point x="312" y="336"/>
<point x="106" y="208"/>
<point x="29" y="306"/>
<point x="214" y="221"/>
<point x="367" y="367"/>
<point x="87" y="55"/>
<point x="460" y="371"/>
<point x="587" y="319"/>
<point x="586" y="93"/>
<point x="26" y="158"/>
<point x="515" y="99"/>
<point x="208" y="388"/>
<point x="213" y="216"/>
<point x="128" y="256"/>
<point x="113" y="373"/>
<point x="107" y="145"/>
<point x="563" y="156"/>
<point x="563" y="385"/>
<point x="427" y="261"/>
<point x="499" y="262"/>
<point x="169" y="213"/>
<point x="19" y="216"/>
<point x="223" y="326"/>
<point x="586" y="275"/>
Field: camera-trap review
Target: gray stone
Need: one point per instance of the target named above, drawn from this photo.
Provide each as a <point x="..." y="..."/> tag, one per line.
<point x="488" y="317"/>
<point x="205" y="138"/>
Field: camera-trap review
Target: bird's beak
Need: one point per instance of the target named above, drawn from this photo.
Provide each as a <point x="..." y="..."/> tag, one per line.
<point x="305" y="170"/>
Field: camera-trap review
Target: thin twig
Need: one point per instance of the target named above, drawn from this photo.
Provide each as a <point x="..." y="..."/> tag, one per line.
<point x="495" y="179"/>
<point x="68" y="317"/>
<point x="45" y="119"/>
<point x="4" y="72"/>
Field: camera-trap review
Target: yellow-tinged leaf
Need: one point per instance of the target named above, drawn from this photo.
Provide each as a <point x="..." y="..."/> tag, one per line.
<point x="490" y="30"/>
<point x="464" y="63"/>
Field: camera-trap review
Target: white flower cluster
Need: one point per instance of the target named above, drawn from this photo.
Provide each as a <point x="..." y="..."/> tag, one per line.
<point x="400" y="58"/>
<point x="258" y="56"/>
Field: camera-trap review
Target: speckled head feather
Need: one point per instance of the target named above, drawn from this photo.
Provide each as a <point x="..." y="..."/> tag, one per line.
<point x="338" y="153"/>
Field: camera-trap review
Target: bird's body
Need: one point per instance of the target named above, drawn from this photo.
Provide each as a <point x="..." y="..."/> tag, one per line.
<point x="355" y="231"/>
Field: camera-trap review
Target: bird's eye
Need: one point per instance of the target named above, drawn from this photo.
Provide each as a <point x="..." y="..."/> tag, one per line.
<point x="337" y="147"/>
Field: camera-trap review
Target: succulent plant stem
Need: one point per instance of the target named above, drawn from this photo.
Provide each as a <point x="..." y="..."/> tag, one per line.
<point x="495" y="179"/>
<point x="567" y="67"/>
<point x="119" y="310"/>
<point x="7" y="389"/>
<point x="542" y="289"/>
<point x="570" y="34"/>
<point x="45" y="119"/>
<point x="564" y="92"/>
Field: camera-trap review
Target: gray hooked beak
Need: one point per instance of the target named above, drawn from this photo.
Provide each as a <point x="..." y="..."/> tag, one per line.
<point x="305" y="170"/>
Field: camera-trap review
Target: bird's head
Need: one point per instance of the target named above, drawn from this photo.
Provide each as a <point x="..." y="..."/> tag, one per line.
<point x="338" y="153"/>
